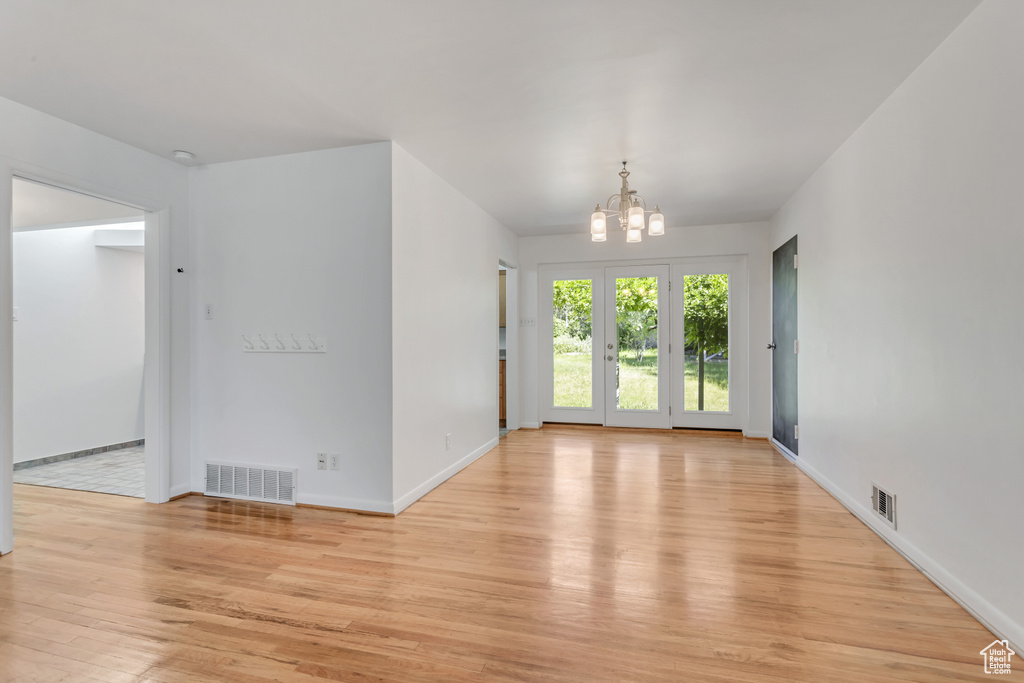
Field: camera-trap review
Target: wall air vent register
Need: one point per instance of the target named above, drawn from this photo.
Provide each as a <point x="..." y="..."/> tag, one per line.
<point x="251" y="482"/>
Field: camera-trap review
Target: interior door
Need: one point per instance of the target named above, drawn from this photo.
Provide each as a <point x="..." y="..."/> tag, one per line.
<point x="636" y="359"/>
<point x="784" y="347"/>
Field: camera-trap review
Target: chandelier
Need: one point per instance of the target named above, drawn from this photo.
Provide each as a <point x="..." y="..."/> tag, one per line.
<point x="631" y="208"/>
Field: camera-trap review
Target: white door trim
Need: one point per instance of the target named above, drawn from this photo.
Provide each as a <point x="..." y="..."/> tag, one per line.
<point x="511" y="345"/>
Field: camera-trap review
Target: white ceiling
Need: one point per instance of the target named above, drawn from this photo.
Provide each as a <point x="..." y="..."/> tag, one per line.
<point x="38" y="206"/>
<point x="723" y="107"/>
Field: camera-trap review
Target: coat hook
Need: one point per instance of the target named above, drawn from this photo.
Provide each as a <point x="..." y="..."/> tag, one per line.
<point x="298" y="345"/>
<point x="313" y="345"/>
<point x="280" y="343"/>
<point x="248" y="344"/>
<point x="263" y="342"/>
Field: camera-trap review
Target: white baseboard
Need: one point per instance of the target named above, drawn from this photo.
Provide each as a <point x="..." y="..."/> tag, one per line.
<point x="990" y="616"/>
<point x="757" y="435"/>
<point x="786" y="453"/>
<point x="359" y="504"/>
<point x="529" y="425"/>
<point x="439" y="478"/>
<point x="355" y="504"/>
<point x="181" y="490"/>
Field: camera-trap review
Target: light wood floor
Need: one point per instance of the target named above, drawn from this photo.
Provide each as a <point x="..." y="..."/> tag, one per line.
<point x="565" y="554"/>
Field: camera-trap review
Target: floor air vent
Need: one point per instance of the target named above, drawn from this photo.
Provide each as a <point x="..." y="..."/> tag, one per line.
<point x="884" y="505"/>
<point x="250" y="482"/>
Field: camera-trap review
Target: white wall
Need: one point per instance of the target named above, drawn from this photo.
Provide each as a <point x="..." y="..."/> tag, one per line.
<point x="910" y="317"/>
<point x="750" y="239"/>
<point x="297" y="243"/>
<point x="78" y="343"/>
<point x="445" y="253"/>
<point x="43" y="147"/>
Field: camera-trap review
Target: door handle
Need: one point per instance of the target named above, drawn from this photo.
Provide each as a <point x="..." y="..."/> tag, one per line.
<point x="770" y="347"/>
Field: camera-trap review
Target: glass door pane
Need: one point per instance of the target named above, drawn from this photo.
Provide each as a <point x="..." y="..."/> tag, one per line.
<point x="636" y="347"/>
<point x="706" y="349"/>
<point x="572" y="343"/>
<point x="571" y="331"/>
<point x="710" y="344"/>
<point x="636" y="316"/>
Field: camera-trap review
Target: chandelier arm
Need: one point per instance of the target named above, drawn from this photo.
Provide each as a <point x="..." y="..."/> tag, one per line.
<point x="608" y="204"/>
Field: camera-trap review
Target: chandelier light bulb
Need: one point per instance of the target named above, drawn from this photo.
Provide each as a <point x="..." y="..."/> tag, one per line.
<point x="598" y="222"/>
<point x="633" y="234"/>
<point x="656" y="225"/>
<point x="636" y="216"/>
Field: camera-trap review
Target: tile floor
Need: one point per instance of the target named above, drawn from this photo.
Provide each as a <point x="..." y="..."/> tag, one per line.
<point x="121" y="472"/>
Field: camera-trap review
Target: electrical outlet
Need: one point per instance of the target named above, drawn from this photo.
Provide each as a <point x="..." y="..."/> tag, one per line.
<point x="321" y="461"/>
<point x="528" y="322"/>
<point x="448" y="441"/>
<point x="335" y="461"/>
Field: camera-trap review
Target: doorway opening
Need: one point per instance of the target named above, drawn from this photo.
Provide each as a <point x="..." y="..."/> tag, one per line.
<point x="508" y="348"/>
<point x="607" y="362"/>
<point x="79" y="341"/>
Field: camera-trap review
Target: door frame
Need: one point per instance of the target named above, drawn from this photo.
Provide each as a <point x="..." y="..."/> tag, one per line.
<point x="511" y="345"/>
<point x="736" y="417"/>
<point x="157" y="372"/>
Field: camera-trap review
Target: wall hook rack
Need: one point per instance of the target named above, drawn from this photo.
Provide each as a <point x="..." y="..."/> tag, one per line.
<point x="273" y="342"/>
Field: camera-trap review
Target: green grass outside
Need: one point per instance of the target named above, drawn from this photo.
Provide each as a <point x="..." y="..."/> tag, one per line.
<point x="716" y="386"/>
<point x="638" y="382"/>
<point x="573" y="387"/>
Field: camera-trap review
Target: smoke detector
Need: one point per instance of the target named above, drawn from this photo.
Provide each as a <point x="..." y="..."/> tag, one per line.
<point x="183" y="156"/>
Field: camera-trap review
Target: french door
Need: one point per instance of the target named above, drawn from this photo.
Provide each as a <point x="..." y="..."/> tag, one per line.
<point x="636" y="386"/>
<point x="709" y="343"/>
<point x="653" y="346"/>
<point x="605" y="355"/>
<point x="573" y="355"/>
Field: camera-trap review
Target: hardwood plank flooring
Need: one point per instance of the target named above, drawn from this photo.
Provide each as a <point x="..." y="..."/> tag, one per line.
<point x="565" y="554"/>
